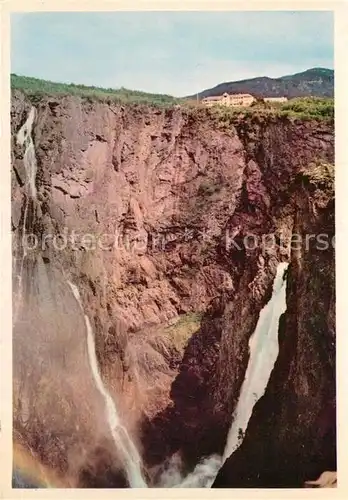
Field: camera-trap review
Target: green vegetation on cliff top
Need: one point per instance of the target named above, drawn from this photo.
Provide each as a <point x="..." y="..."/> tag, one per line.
<point x="306" y="108"/>
<point x="36" y="88"/>
<point x="303" y="108"/>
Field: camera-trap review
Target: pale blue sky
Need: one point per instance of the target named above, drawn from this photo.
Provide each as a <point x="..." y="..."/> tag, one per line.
<point x="178" y="53"/>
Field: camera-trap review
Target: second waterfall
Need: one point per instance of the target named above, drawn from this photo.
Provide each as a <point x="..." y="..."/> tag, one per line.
<point x="123" y="442"/>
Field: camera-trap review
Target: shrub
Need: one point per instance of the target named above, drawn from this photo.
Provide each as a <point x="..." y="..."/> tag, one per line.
<point x="309" y="107"/>
<point x="319" y="174"/>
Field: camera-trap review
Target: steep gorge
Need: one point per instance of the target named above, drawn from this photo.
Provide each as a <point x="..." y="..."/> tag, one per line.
<point x="291" y="437"/>
<point x="147" y="211"/>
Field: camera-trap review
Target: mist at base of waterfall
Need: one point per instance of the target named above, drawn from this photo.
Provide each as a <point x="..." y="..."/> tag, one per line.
<point x="202" y="476"/>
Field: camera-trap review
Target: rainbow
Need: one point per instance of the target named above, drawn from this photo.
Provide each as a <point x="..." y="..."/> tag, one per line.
<point x="29" y="470"/>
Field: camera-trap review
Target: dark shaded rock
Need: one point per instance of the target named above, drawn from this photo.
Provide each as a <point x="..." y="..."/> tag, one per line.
<point x="291" y="437"/>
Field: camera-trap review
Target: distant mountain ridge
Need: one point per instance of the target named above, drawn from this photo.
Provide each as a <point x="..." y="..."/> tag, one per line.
<point x="316" y="82"/>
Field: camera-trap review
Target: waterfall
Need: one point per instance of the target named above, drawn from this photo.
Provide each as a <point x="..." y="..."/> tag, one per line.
<point x="24" y="138"/>
<point x="122" y="440"/>
<point x="263" y="348"/>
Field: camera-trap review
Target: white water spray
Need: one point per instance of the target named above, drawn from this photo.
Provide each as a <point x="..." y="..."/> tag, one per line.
<point x="203" y="475"/>
<point x="264" y="348"/>
<point x="122" y="440"/>
<point x="24" y="137"/>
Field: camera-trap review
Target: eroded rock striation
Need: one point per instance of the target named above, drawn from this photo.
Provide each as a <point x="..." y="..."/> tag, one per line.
<point x="172" y="227"/>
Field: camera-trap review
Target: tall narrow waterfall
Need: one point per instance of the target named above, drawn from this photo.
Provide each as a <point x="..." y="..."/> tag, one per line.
<point x="25" y="138"/>
<point x="125" y="446"/>
<point x="264" y="348"/>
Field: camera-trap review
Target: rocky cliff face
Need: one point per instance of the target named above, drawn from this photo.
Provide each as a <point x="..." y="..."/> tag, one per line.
<point x="291" y="437"/>
<point x="148" y="211"/>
